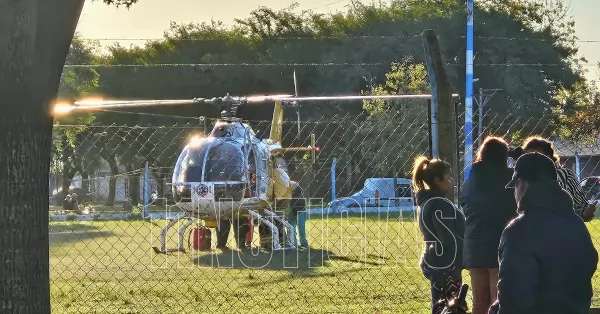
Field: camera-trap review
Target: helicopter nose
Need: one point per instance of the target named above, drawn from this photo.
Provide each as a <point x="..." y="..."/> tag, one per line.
<point x="229" y="192"/>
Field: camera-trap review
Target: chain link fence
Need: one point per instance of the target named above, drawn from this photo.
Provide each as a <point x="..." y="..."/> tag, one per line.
<point x="363" y="241"/>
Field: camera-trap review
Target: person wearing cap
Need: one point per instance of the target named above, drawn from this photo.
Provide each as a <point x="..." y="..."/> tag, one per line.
<point x="547" y="258"/>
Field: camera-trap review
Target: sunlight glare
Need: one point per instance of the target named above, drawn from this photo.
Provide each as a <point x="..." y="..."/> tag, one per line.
<point x="195" y="140"/>
<point x="61" y="109"/>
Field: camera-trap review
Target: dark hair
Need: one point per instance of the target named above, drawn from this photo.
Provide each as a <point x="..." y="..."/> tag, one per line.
<point x="516" y="152"/>
<point x="493" y="150"/>
<point x="542" y="145"/>
<point x="425" y="171"/>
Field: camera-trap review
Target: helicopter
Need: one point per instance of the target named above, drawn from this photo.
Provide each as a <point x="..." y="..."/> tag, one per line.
<point x="231" y="173"/>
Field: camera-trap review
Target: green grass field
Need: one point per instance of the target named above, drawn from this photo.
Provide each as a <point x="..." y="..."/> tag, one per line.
<point x="354" y="266"/>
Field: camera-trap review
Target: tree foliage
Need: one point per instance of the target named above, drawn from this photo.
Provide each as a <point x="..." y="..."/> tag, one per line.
<point x="514" y="38"/>
<point x="398" y="128"/>
<point x="70" y="141"/>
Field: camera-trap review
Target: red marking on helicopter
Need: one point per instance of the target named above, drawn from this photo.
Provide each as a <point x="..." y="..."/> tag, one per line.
<point x="202" y="190"/>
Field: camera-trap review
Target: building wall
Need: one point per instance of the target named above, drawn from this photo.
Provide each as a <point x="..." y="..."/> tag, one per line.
<point x="100" y="182"/>
<point x="589" y="165"/>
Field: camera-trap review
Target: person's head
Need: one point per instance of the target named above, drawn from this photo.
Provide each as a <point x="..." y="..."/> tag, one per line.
<point x="531" y="168"/>
<point x="493" y="151"/>
<point x="431" y="174"/>
<point x="516" y="152"/>
<point x="540" y="145"/>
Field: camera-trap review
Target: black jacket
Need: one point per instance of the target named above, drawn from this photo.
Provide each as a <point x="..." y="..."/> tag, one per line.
<point x="547" y="258"/>
<point x="488" y="208"/>
<point x="442" y="226"/>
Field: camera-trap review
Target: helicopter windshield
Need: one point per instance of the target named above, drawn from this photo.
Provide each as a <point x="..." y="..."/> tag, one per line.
<point x="224" y="163"/>
<point x="190" y="163"/>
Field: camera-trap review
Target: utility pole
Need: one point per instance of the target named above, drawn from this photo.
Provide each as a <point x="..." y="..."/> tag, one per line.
<point x="484" y="97"/>
<point x="468" y="156"/>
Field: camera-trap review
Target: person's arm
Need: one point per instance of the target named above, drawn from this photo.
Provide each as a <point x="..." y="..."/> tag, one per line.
<point x="465" y="198"/>
<point x="518" y="279"/>
<point x="572" y="186"/>
<point x="446" y="229"/>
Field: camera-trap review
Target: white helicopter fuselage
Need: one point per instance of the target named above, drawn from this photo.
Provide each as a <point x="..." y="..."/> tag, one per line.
<point x="224" y="175"/>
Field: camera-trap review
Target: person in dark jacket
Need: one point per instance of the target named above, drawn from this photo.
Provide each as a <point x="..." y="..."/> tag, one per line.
<point x="547" y="258"/>
<point x="442" y="226"/>
<point x="488" y="207"/>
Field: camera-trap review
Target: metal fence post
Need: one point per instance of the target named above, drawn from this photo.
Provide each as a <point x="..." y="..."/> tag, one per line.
<point x="333" y="164"/>
<point x="146" y="191"/>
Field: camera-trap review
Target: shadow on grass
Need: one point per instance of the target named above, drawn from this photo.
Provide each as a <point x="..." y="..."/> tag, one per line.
<point x="399" y="215"/>
<point x="299" y="263"/>
<point x="71" y="232"/>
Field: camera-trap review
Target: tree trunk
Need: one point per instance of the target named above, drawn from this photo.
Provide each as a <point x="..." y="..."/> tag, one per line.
<point x="34" y="42"/>
<point x="112" y="182"/>
<point x="67" y="179"/>
<point x="67" y="170"/>
<point x="160" y="186"/>
<point x="349" y="175"/>
<point x="134" y="185"/>
<point x="85" y="181"/>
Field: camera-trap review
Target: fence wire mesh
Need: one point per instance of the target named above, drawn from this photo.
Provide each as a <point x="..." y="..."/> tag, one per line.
<point x="362" y="239"/>
<point x="361" y="256"/>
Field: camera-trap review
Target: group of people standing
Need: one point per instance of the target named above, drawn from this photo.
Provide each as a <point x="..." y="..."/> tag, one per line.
<point x="519" y="232"/>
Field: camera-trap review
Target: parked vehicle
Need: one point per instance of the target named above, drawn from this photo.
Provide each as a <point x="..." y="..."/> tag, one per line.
<point x="591" y="187"/>
<point x="379" y="194"/>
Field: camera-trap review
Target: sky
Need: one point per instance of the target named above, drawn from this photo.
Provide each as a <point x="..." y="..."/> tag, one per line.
<point x="149" y="19"/>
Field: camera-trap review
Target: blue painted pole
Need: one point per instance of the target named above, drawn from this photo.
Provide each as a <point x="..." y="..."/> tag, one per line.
<point x="468" y="154"/>
<point x="577" y="166"/>
<point x="146" y="191"/>
<point x="333" y="164"/>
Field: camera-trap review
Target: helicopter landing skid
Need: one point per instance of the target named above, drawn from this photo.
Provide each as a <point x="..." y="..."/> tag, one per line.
<point x="167" y="251"/>
<point x="180" y="233"/>
<point x="265" y="219"/>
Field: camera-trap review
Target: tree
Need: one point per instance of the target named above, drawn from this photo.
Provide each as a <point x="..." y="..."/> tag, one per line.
<point x="35" y="36"/>
<point x="272" y="36"/>
<point x="67" y="135"/>
<point x="398" y="128"/>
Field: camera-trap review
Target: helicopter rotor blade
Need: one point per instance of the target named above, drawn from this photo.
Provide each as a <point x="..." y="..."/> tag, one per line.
<point x="133" y="103"/>
<point x="357" y="97"/>
<point x="90" y="105"/>
<point x="267" y="98"/>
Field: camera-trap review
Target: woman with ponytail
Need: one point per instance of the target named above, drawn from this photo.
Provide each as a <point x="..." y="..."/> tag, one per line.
<point x="442" y="226"/>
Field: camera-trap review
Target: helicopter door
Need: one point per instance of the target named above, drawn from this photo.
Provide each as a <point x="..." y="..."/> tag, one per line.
<point x="252" y="174"/>
<point x="262" y="173"/>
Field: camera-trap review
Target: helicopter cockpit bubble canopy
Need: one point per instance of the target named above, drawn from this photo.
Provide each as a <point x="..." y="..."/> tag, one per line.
<point x="210" y="160"/>
<point x="217" y="163"/>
